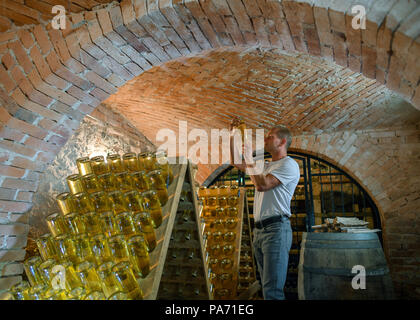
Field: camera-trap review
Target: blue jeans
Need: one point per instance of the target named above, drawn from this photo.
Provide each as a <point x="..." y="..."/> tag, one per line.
<point x="271" y="248"/>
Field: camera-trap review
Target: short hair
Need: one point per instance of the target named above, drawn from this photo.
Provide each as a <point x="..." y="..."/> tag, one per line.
<point x="283" y="132"/>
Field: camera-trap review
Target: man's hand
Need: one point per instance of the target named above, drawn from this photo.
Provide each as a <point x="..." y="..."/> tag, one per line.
<point x="234" y="123"/>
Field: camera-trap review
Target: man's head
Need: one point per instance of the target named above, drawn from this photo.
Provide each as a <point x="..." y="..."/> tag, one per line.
<point x="278" y="139"/>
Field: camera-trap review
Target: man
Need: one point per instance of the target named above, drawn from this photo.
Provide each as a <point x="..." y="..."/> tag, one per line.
<point x="274" y="189"/>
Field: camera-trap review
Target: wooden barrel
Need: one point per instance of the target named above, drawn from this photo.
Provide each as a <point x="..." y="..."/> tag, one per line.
<point x="326" y="264"/>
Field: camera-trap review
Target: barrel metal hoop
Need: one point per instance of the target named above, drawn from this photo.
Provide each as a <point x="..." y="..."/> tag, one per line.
<point x="343" y="245"/>
<point x="345" y="272"/>
<point x="312" y="236"/>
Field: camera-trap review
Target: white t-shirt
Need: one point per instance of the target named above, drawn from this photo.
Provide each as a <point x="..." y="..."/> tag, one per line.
<point x="276" y="202"/>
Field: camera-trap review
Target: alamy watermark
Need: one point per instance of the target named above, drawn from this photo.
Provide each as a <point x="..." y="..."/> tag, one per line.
<point x="359" y="20"/>
<point x="59" y="21"/>
<point x="209" y="151"/>
<point x="59" y="279"/>
<point x="359" y="280"/>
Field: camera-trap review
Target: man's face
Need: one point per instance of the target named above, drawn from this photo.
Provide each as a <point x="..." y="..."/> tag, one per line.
<point x="272" y="141"/>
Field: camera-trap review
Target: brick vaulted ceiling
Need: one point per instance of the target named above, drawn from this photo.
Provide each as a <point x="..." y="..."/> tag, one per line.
<point x="265" y="87"/>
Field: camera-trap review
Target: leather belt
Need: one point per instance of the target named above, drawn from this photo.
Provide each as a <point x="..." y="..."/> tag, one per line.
<point x="268" y="221"/>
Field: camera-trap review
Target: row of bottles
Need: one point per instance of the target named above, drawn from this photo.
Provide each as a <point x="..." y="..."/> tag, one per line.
<point x="99" y="243"/>
<point x="183" y="274"/>
<point x="246" y="265"/>
<point x="220" y="215"/>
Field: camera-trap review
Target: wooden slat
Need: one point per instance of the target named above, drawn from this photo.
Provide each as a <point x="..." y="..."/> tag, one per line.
<point x="238" y="230"/>
<point x="194" y="189"/>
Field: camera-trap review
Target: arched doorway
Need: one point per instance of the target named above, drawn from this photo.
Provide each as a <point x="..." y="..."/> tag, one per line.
<point x="324" y="191"/>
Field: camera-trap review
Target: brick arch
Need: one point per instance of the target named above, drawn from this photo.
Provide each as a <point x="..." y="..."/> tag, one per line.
<point x="49" y="79"/>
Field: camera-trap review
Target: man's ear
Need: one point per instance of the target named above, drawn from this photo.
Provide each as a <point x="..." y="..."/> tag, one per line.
<point x="283" y="141"/>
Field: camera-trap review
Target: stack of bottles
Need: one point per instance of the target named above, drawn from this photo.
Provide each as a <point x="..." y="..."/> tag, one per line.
<point x="99" y="242"/>
<point x="246" y="263"/>
<point x="220" y="215"/>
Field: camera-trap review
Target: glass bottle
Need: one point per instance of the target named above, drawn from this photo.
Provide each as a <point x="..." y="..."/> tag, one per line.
<point x="139" y="255"/>
<point x="88" y="276"/>
<point x="123" y="181"/>
<point x="75" y="183"/>
<point x="214" y="265"/>
<point x="55" y="224"/>
<point x="114" y="162"/>
<point x="224" y="191"/>
<point x="147" y="161"/>
<point x="65" y="203"/>
<point x="125" y="224"/>
<point x="72" y="279"/>
<point x="82" y="203"/>
<point x="100" y="201"/>
<point x="83" y="164"/>
<point x="156" y="179"/>
<point x="220" y="213"/>
<point x="152" y="205"/>
<point x="118" y="248"/>
<point x="140" y="182"/>
<point x="91" y="183"/>
<point x="98" y="165"/>
<point x="116" y="202"/>
<point x="78" y="293"/>
<point x="92" y="223"/>
<point x="232" y="212"/>
<point x="213" y="191"/>
<point x="203" y="191"/>
<point x="100" y="249"/>
<point x="83" y="248"/>
<point x="66" y="248"/>
<point x="162" y="163"/>
<point x="73" y="223"/>
<point x="125" y="276"/>
<point x="222" y="200"/>
<point x="46" y="247"/>
<point x="231" y="223"/>
<point x="55" y="294"/>
<point x="31" y="267"/>
<point x="233" y="201"/>
<point x="110" y="285"/>
<point x="228" y="250"/>
<point x="45" y="271"/>
<point x="107" y="182"/>
<point x="226" y="264"/>
<point x="21" y="291"/>
<point x="229" y="236"/>
<point x="216" y="237"/>
<point x="144" y="224"/>
<point x="133" y="200"/>
<point x="37" y="292"/>
<point x="234" y="190"/>
<point x="131" y="163"/>
<point x="158" y="184"/>
<point x="212" y="201"/>
<point x="108" y="225"/>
